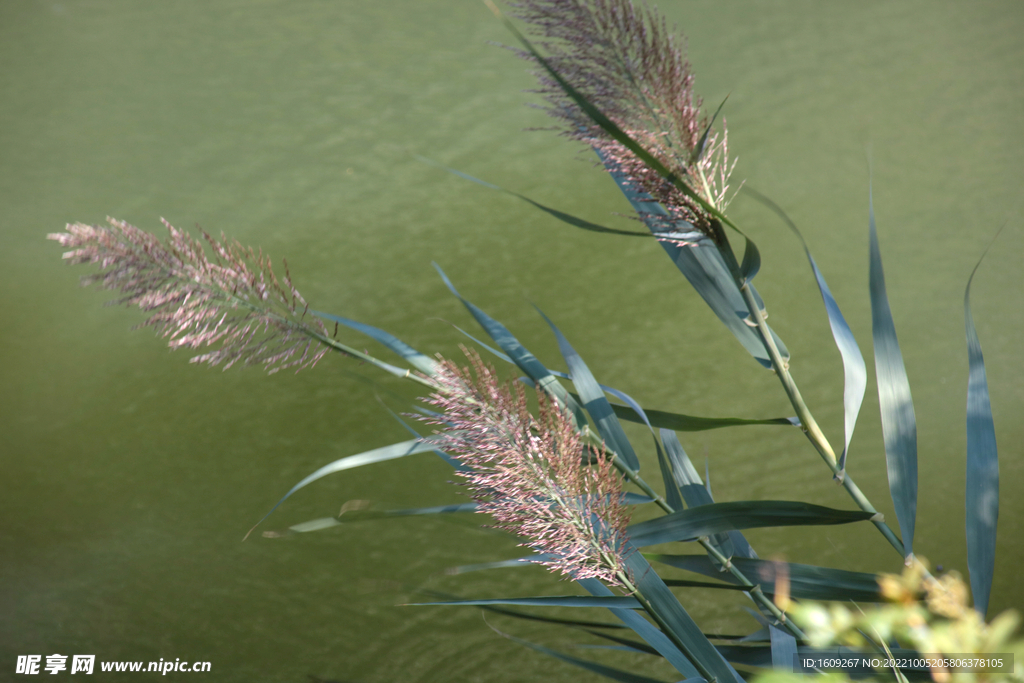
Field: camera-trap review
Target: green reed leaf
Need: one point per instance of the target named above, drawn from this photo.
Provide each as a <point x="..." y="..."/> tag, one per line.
<point x="899" y="425"/>
<point x="678" y="422"/>
<point x="698" y="151"/>
<point x="702" y="264"/>
<point x="751" y="261"/>
<point x="689" y="525"/>
<point x="519" y="354"/>
<point x="643" y="628"/>
<point x="805" y="581"/>
<point x="617" y="602"/>
<point x="982" y="498"/>
<point x="673" y="617"/>
<point x="783" y="647"/>
<point x="398" y="450"/>
<point x="696" y="494"/>
<point x="633" y="412"/>
<point x="627" y="644"/>
<point x="594" y="400"/>
<point x="854" y="371"/>
<point x="566" y="218"/>
<point x="423" y="363"/>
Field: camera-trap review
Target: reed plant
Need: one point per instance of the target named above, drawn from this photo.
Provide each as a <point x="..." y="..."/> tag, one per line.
<point x="559" y="472"/>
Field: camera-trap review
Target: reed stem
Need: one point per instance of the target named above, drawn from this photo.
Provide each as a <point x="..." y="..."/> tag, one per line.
<point x="808" y="424"/>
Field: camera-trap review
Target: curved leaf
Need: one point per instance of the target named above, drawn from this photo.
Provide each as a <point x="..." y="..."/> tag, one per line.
<point x="616" y="602"/>
<point x="805" y="581"/>
<point x="500" y="564"/>
<point x="698" y="151"/>
<point x="687" y="583"/>
<point x="367" y="515"/>
<point x="437" y="451"/>
<point x="679" y="422"/>
<point x="702" y="264"/>
<point x="594" y="400"/>
<point x="899" y="425"/>
<point x="854" y="371"/>
<point x="695" y="494"/>
<point x="421" y="362"/>
<point x="567" y="218"/>
<point x="359" y="516"/>
<point x="982" y="500"/>
<point x="689" y="525"/>
<point x="676" y="619"/>
<point x="626" y="644"/>
<point x="519" y="354"/>
<point x="751" y="261"/>
<point x="632" y="412"/>
<point x="643" y="628"/>
<point x="398" y="450"/>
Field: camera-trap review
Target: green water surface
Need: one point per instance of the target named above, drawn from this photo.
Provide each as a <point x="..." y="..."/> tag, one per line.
<point x="130" y="476"/>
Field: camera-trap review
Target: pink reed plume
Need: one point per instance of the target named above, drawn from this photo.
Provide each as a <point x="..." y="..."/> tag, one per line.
<point x="234" y="301"/>
<point x="625" y="61"/>
<point x="534" y="475"/>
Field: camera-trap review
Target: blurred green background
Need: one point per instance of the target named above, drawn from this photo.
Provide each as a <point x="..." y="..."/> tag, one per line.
<point x="130" y="475"/>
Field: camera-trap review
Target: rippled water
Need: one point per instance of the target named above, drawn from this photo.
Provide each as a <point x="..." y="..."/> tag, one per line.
<point x="131" y="475"/>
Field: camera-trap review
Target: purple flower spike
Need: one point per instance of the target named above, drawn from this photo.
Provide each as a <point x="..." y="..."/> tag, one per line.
<point x="235" y="300"/>
<point x="627" y="63"/>
<point x="534" y="475"/>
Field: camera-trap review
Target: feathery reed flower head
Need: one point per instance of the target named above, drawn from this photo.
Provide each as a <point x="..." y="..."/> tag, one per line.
<point x="534" y="475"/>
<point x="626" y="62"/>
<point x="235" y="300"/>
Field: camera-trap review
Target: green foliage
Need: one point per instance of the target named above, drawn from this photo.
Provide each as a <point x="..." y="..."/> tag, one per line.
<point x="481" y="426"/>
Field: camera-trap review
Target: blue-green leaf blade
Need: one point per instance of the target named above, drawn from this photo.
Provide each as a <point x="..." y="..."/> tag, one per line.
<point x="698" y="151"/>
<point x="982" y="499"/>
<point x="691" y="524"/>
<point x="632" y="412"/>
<point x="398" y="450"/>
<point x="899" y="425"/>
<point x="643" y="628"/>
<point x="500" y="564"/>
<point x="751" y="261"/>
<point x="594" y="400"/>
<point x="675" y="617"/>
<point x="702" y="265"/>
<point x="855" y="377"/>
<point x="519" y="354"/>
<point x="350" y="516"/>
<point x="679" y="422"/>
<point x="566" y="218"/>
<point x="854" y="370"/>
<point x="693" y="491"/>
<point x="783" y="646"/>
<point x="805" y="581"/>
<point x="610" y="602"/>
<point x="423" y="363"/>
<point x="314" y="525"/>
